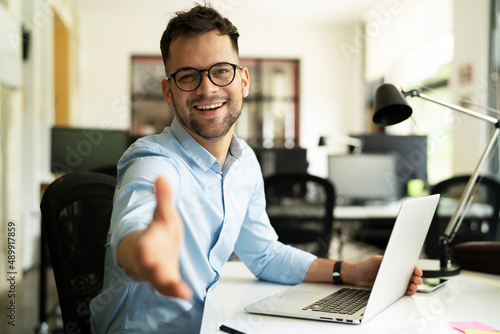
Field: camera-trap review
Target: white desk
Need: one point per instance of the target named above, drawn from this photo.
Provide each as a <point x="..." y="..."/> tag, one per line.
<point x="465" y="298"/>
<point x="389" y="211"/>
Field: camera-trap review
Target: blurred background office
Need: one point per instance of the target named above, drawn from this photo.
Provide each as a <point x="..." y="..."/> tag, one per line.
<point x="314" y="65"/>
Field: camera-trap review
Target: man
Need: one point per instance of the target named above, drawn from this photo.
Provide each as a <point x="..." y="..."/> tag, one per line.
<point x="189" y="197"/>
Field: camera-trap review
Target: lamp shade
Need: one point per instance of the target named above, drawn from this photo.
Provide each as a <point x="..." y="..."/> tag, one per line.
<point x="390" y="106"/>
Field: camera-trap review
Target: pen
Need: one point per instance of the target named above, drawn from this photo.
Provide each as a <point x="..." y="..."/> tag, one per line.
<point x="226" y="329"/>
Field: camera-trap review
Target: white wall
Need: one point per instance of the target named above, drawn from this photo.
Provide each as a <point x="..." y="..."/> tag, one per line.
<point x="471" y="49"/>
<point x="330" y="91"/>
<point x="402" y="28"/>
<point x="106" y="39"/>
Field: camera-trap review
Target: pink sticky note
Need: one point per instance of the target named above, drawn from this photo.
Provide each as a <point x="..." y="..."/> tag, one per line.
<point x="476" y="325"/>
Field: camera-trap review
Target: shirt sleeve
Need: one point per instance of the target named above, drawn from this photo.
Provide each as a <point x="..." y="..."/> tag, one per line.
<point x="258" y="246"/>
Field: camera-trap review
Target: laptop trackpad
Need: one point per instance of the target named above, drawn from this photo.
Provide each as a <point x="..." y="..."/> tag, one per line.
<point x="301" y="294"/>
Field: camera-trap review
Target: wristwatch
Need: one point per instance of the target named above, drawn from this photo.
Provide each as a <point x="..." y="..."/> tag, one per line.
<point x="336" y="273"/>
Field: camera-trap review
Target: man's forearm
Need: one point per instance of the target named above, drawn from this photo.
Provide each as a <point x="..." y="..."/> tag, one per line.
<point x="321" y="270"/>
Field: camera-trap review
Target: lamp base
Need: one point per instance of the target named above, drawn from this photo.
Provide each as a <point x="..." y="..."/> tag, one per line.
<point x="432" y="268"/>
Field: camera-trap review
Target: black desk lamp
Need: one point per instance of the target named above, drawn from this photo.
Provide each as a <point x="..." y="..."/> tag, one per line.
<point x="390" y="108"/>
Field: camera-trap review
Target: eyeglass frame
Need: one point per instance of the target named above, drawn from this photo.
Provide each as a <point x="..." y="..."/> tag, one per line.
<point x="234" y="66"/>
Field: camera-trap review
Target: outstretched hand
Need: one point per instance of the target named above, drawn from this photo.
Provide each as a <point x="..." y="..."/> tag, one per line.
<point x="152" y="255"/>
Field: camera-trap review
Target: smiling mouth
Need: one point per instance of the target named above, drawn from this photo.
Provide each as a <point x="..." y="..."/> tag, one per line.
<point x="209" y="106"/>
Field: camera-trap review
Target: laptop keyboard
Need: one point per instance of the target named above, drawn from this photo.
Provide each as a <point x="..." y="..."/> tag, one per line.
<point x="344" y="301"/>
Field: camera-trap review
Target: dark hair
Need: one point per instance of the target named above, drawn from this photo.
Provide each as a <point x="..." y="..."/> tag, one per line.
<point x="200" y="19"/>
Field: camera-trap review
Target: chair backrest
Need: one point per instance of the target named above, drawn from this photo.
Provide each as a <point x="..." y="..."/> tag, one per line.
<point x="481" y="222"/>
<point x="300" y="207"/>
<point x="76" y="212"/>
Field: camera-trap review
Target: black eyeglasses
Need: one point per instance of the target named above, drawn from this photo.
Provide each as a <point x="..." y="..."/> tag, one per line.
<point x="189" y="78"/>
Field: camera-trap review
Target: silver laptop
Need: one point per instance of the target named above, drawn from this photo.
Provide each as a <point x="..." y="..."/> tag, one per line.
<point x="317" y="300"/>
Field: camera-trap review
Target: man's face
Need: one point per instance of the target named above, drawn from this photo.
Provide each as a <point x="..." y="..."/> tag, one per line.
<point x="209" y="111"/>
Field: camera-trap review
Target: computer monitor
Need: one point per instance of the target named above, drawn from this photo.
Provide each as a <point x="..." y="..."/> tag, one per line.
<point x="359" y="178"/>
<point x="282" y="160"/>
<point x="411" y="151"/>
<point x="79" y="149"/>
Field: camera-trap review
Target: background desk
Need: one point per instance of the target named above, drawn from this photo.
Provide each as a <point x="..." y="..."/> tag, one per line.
<point x="370" y="224"/>
<point x="358" y="212"/>
<point x="391" y="210"/>
<point x="466" y="297"/>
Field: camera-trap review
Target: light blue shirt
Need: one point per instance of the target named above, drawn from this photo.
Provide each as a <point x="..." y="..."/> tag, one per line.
<point x="223" y="209"/>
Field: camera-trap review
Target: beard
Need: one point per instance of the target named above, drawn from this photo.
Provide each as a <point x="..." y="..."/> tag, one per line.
<point x="210" y="129"/>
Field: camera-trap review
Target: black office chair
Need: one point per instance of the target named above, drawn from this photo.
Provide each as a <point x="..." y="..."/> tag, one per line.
<point x="76" y="212"/>
<point x="484" y="228"/>
<point x="300" y="207"/>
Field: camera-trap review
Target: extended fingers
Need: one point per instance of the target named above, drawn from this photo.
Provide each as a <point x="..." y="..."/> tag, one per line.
<point x="415" y="281"/>
<point x="412" y="289"/>
<point x="417" y="276"/>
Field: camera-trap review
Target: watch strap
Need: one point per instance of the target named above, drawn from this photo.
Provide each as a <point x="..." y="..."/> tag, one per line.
<point x="336" y="273"/>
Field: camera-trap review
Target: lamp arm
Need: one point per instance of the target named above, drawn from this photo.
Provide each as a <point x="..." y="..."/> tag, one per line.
<point x="452" y="226"/>
<point x="455" y="220"/>
<point x="451" y="235"/>
<point x="416" y="92"/>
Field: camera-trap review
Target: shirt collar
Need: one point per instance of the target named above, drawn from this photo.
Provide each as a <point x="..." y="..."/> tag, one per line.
<point x="198" y="153"/>
<point x="235" y="147"/>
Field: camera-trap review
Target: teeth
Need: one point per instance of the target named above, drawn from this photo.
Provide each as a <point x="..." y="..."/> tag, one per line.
<point x="210" y="106"/>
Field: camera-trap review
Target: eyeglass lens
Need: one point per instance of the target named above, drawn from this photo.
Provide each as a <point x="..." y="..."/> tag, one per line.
<point x="190" y="78"/>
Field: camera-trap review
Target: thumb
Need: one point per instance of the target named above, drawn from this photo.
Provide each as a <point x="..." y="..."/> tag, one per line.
<point x="163" y="199"/>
